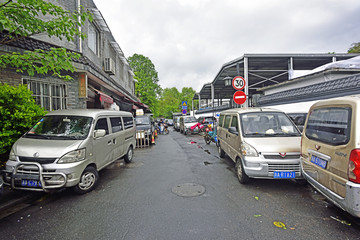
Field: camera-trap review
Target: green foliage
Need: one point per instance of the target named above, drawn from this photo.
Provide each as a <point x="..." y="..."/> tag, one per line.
<point x="355" y="48"/>
<point x="24" y="18"/>
<point x="171" y="99"/>
<point x="146" y="87"/>
<point x="18" y="113"/>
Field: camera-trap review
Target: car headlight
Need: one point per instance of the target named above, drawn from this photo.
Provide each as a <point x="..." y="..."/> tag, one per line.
<point x="12" y="156"/>
<point x="248" y="150"/>
<point x="73" y="156"/>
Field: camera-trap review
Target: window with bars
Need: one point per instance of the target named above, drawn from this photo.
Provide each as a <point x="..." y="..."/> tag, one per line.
<point x="51" y="96"/>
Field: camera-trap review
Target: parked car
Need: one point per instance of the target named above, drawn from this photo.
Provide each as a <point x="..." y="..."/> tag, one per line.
<point x="146" y="124"/>
<point x="67" y="148"/>
<point x="177" y="123"/>
<point x="264" y="143"/>
<point x="331" y="151"/>
<point x="186" y="122"/>
<point x="169" y="122"/>
<point x="298" y="119"/>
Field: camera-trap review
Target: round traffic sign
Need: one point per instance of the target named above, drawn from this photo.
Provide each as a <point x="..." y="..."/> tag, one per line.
<point x="239" y="97"/>
<point x="184" y="111"/>
<point x="238" y="83"/>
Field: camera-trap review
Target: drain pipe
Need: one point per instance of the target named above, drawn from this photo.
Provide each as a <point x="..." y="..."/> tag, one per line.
<point x="79" y="21"/>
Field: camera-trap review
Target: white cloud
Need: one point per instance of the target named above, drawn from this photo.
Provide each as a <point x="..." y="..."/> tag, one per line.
<point x="189" y="40"/>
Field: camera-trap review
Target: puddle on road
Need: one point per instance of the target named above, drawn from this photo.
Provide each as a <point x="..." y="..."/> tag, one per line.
<point x="207" y="163"/>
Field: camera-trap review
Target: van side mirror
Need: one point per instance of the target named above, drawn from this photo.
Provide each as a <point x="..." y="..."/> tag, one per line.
<point x="233" y="130"/>
<point x="99" y="133"/>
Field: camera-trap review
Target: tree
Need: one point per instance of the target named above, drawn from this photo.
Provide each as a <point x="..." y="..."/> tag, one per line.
<point x="25" y="18"/>
<point x="146" y="87"/>
<point x="169" y="102"/>
<point x="18" y="112"/>
<point x="187" y="94"/>
<point x="355" y="48"/>
<point x="171" y="99"/>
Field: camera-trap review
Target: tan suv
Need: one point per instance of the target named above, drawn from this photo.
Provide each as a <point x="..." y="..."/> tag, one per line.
<point x="264" y="143"/>
<point x="331" y="151"/>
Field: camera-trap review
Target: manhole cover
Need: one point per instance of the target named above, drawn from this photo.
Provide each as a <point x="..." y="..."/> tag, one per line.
<point x="188" y="190"/>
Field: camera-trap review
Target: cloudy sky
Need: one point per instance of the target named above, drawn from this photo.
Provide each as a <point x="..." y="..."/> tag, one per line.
<point x="189" y="40"/>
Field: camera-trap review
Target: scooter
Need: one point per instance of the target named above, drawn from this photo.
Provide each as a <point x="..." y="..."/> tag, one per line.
<point x="210" y="135"/>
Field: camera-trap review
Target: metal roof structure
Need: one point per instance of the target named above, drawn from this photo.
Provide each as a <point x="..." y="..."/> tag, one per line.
<point x="262" y="70"/>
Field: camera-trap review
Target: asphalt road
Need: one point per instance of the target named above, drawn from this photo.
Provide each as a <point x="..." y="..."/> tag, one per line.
<point x="180" y="189"/>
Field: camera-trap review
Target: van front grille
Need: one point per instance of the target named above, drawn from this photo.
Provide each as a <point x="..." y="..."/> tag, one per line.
<point x="38" y="160"/>
<point x="278" y="157"/>
<point x="284" y="167"/>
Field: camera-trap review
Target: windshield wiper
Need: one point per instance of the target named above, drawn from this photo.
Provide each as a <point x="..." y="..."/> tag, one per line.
<point x="255" y="134"/>
<point x="37" y="135"/>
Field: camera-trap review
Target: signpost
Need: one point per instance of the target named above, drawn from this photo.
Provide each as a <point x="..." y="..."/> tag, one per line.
<point x="184" y="107"/>
<point x="239" y="97"/>
<point x="238" y="83"/>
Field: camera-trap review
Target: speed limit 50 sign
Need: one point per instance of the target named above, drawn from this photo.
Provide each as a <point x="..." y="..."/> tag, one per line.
<point x="238" y="83"/>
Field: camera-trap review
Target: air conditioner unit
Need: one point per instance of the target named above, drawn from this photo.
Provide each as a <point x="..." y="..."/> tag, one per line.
<point x="109" y="66"/>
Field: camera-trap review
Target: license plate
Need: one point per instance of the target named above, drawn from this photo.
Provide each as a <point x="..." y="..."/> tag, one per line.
<point x="284" y="174"/>
<point x="30" y="183"/>
<point x="318" y="161"/>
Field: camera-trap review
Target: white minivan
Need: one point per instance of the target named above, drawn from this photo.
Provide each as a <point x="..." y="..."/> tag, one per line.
<point x="67" y="148"/>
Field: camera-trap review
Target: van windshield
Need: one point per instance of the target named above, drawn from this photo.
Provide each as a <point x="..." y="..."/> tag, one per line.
<point x="61" y="127"/>
<point x="142" y="121"/>
<point x="269" y="124"/>
<point x="189" y="119"/>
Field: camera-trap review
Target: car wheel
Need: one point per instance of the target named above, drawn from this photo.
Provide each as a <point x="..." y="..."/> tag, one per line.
<point x="129" y="155"/>
<point x="221" y="152"/>
<point x="240" y="172"/>
<point x="88" y="180"/>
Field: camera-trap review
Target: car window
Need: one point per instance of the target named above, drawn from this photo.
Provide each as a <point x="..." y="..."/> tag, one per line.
<point x="234" y="123"/>
<point x="329" y="125"/>
<point x="189" y="119"/>
<point x="116" y="124"/>
<point x="142" y="121"/>
<point x="102" y="124"/>
<point x="270" y="124"/>
<point x="61" y="127"/>
<point x="221" y="120"/>
<point x="227" y="121"/>
<point x="128" y="122"/>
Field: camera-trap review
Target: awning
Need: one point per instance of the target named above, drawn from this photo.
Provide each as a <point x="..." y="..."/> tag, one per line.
<point x="104" y="97"/>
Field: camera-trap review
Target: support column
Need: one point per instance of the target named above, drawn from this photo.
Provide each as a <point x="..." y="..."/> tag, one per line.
<point x="246" y="77"/>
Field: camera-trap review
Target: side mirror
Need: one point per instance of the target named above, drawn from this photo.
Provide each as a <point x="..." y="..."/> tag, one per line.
<point x="233" y="130"/>
<point x="99" y="133"/>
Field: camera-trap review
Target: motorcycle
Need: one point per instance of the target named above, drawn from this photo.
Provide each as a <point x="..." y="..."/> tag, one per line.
<point x="210" y="135"/>
<point x="163" y="128"/>
<point x="197" y="128"/>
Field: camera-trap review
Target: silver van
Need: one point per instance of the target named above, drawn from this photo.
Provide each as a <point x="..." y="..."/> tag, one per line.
<point x="264" y="143"/>
<point x="67" y="148"/>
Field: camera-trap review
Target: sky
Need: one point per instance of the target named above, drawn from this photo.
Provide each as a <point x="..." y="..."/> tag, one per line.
<point x="188" y="41"/>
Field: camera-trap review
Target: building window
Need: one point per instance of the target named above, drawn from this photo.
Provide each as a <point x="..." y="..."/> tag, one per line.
<point x="51" y="96"/>
<point x="93" y="39"/>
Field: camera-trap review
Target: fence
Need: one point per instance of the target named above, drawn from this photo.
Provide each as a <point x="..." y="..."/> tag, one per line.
<point x="142" y="139"/>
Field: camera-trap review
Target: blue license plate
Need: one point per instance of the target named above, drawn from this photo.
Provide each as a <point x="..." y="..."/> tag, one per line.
<point x="284" y="174"/>
<point x="318" y="161"/>
<point x="30" y="183"/>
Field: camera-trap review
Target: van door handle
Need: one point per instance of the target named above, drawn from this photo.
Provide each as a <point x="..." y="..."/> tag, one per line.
<point x="114" y="141"/>
<point x="109" y="142"/>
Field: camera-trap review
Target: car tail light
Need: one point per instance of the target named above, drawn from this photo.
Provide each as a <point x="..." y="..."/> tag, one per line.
<point x="354" y="166"/>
